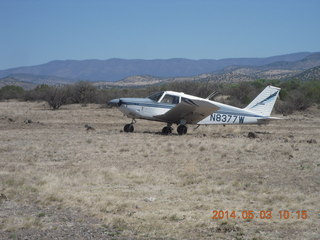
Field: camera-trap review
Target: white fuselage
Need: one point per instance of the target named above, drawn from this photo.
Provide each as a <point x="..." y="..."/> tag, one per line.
<point x="144" y="108"/>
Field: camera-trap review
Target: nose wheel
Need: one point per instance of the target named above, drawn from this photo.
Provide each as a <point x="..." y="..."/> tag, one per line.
<point x="182" y="129"/>
<point x="129" y="127"/>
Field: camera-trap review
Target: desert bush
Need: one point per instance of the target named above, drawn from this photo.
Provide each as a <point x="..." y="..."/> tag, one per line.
<point x="298" y="96"/>
<point x="299" y="100"/>
<point x="241" y="94"/>
<point x="295" y="95"/>
<point x="82" y="92"/>
<point x="312" y="90"/>
<point x="37" y="94"/>
<point x="284" y="107"/>
<point x="291" y="84"/>
<point x="11" y="92"/>
<point x="56" y="96"/>
<point x="102" y="97"/>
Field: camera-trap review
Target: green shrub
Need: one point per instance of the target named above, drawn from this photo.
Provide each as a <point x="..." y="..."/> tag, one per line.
<point x="11" y="92"/>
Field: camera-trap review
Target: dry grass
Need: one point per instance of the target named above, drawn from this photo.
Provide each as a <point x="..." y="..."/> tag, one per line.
<point x="151" y="186"/>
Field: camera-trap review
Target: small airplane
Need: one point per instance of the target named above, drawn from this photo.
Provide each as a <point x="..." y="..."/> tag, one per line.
<point x="182" y="109"/>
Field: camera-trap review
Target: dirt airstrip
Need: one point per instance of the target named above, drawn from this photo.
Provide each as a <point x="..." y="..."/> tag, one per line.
<point x="59" y="180"/>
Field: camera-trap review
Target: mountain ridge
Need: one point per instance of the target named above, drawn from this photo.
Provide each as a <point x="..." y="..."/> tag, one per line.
<point x="278" y="69"/>
<point x="116" y="69"/>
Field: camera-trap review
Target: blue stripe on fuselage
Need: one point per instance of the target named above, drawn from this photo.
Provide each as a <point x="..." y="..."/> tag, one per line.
<point x="236" y="113"/>
<point x="155" y="105"/>
<point x="169" y="106"/>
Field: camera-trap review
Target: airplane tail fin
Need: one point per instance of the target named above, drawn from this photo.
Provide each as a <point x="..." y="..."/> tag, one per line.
<point x="264" y="102"/>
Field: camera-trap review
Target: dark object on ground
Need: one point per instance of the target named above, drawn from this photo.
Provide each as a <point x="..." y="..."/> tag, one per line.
<point x="312" y="141"/>
<point x="252" y="135"/>
<point x="3" y="197"/>
<point x="89" y="128"/>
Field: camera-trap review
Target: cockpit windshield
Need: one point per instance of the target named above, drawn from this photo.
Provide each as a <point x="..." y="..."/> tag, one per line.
<point x="156" y="96"/>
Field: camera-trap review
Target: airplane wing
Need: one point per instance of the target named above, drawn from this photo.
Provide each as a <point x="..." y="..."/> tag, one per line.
<point x="191" y="110"/>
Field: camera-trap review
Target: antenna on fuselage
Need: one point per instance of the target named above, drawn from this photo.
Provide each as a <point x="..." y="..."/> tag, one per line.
<point x="214" y="93"/>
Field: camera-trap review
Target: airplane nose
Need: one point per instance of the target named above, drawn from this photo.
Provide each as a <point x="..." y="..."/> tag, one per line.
<point x="115" y="102"/>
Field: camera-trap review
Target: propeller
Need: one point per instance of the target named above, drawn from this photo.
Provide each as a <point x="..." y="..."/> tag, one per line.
<point x="115" y="102"/>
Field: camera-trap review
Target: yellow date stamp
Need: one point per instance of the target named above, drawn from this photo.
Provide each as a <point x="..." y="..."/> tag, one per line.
<point x="263" y="214"/>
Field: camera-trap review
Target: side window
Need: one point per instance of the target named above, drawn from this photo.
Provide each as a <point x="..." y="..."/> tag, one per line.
<point x="170" y="99"/>
<point x="175" y="100"/>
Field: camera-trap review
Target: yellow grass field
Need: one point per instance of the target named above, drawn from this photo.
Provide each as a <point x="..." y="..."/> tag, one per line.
<point x="58" y="181"/>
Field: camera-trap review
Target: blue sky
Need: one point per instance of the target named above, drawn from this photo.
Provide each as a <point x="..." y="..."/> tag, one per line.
<point x="38" y="31"/>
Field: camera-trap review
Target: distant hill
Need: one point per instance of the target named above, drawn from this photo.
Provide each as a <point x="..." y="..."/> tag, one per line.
<point x="117" y="69"/>
<point x="126" y="73"/>
<point x="40" y="79"/>
<point x="278" y="70"/>
<point x="29" y="81"/>
<point x="12" y="81"/>
<point x="309" y="75"/>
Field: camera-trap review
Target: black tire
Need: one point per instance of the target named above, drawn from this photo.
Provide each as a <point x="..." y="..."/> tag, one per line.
<point x="166" y="130"/>
<point x="182" y="129"/>
<point x="128" y="128"/>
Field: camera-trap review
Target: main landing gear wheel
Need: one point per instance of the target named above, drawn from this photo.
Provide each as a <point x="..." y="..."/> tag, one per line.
<point x="182" y="129"/>
<point x="166" y="130"/>
<point x="128" y="128"/>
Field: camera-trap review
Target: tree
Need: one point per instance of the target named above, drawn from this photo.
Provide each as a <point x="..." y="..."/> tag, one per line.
<point x="11" y="92"/>
<point x="56" y="96"/>
<point x="39" y="93"/>
<point x="83" y="92"/>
